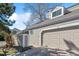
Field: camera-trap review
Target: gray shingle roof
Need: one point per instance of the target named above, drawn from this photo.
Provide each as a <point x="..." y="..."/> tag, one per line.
<point x="68" y="17"/>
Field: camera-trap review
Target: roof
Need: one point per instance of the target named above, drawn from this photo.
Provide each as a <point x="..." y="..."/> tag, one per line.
<point x="67" y="17"/>
<point x="73" y="5"/>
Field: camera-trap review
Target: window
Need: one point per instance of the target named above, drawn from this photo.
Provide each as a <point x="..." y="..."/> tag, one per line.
<point x="56" y="13"/>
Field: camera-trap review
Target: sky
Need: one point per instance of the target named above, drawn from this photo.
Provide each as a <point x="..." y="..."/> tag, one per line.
<point x="22" y="17"/>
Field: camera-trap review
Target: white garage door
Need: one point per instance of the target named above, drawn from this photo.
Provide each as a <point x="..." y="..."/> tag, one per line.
<point x="61" y="39"/>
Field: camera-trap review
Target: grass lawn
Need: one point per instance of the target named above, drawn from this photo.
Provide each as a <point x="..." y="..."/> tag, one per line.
<point x="9" y="52"/>
<point x="1" y="52"/>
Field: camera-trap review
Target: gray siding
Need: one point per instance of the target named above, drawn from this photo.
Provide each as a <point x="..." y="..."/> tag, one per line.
<point x="57" y="39"/>
<point x="35" y="38"/>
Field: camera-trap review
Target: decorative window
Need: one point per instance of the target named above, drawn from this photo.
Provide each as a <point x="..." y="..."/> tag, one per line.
<point x="56" y="13"/>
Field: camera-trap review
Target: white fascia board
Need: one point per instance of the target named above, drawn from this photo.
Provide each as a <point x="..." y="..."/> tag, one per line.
<point x="63" y="26"/>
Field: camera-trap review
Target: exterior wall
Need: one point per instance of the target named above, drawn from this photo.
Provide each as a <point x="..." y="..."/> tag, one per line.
<point x="23" y="40"/>
<point x="20" y="39"/>
<point x="35" y="38"/>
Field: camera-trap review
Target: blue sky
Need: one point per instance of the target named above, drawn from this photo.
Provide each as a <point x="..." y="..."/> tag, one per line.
<point x="20" y="16"/>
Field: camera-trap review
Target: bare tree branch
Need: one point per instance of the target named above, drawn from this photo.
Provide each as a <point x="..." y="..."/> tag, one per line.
<point x="39" y="11"/>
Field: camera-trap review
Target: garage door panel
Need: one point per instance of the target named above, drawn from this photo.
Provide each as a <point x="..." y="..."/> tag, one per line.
<point x="62" y="39"/>
<point x="51" y="40"/>
<point x="66" y="35"/>
<point x="76" y="37"/>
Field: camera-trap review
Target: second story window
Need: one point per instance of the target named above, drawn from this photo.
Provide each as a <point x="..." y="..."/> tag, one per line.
<point x="56" y="13"/>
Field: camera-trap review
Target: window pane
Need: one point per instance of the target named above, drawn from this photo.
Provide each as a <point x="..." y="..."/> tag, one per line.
<point x="56" y="13"/>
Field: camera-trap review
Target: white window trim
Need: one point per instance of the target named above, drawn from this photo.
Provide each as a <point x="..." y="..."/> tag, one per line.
<point x="62" y="12"/>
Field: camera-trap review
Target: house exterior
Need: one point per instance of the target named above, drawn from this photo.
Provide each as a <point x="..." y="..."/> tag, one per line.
<point x="22" y="37"/>
<point x="23" y="40"/>
<point x="60" y="31"/>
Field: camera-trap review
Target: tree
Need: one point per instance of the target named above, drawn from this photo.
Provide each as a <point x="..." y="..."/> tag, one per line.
<point x="6" y="10"/>
<point x="4" y="28"/>
<point x="39" y="11"/>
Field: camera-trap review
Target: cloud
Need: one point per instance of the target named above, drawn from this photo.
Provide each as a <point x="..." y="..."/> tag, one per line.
<point x="20" y="18"/>
<point x="14" y="16"/>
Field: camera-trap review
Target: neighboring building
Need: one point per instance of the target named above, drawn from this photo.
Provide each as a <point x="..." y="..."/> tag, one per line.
<point x="15" y="31"/>
<point x="60" y="31"/>
<point x="23" y="38"/>
<point x="20" y="38"/>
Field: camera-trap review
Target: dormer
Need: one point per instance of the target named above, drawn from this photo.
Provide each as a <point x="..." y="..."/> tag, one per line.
<point x="57" y="12"/>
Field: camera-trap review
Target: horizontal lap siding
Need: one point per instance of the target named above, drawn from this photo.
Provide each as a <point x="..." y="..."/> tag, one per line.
<point x="34" y="39"/>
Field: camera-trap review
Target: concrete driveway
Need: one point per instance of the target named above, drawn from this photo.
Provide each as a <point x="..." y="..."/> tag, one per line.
<point x="47" y="52"/>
